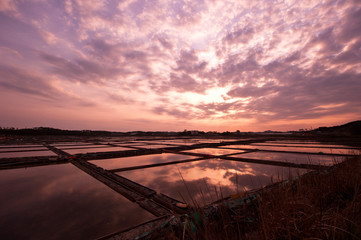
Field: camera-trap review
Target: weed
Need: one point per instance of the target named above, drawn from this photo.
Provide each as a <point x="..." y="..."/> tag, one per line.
<point x="317" y="205"/>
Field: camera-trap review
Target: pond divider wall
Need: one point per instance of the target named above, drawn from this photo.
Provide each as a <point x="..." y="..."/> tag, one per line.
<point x="156" y="203"/>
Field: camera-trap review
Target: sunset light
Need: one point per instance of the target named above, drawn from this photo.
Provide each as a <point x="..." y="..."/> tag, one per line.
<point x="161" y="65"/>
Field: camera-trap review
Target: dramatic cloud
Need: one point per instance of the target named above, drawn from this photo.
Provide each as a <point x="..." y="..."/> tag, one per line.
<point x="205" y="64"/>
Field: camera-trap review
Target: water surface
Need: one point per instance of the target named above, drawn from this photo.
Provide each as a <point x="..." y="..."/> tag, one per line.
<point x="214" y="151"/>
<point x="296" y="149"/>
<point x="202" y="178"/>
<point x="139" y="160"/>
<point x="61" y="202"/>
<point x="93" y="150"/>
<point x="27" y="154"/>
<point x="293" y="158"/>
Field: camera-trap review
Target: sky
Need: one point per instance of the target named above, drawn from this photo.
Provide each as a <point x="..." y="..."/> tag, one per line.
<point x="169" y="65"/>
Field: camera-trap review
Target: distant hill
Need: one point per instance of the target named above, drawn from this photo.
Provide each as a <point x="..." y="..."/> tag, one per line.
<point x="348" y="129"/>
<point x="52" y="131"/>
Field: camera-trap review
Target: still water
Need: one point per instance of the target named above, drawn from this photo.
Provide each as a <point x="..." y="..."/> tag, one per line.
<point x="92" y="150"/>
<point x="61" y="202"/>
<point x="139" y="160"/>
<point x="214" y="151"/>
<point x="206" y="180"/>
<point x="26" y="154"/>
<point x="297" y="149"/>
<point x="292" y="158"/>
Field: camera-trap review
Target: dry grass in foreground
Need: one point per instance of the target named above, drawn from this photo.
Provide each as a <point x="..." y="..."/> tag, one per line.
<point x="322" y="205"/>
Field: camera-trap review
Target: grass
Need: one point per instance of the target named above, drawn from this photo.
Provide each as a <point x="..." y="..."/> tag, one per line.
<point x="323" y="206"/>
<point x="319" y="205"/>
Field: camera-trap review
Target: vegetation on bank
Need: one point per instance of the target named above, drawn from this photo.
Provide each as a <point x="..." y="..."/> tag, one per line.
<point x="349" y="129"/>
<point x="323" y="205"/>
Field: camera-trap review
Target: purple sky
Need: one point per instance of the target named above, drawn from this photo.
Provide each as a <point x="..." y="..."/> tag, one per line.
<point x="174" y="65"/>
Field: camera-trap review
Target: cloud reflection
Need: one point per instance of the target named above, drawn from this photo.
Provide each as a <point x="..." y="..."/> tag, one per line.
<point x="61" y="202"/>
<point x="205" y="181"/>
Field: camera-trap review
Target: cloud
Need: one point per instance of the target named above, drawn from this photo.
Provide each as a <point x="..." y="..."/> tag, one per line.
<point x="82" y="70"/>
<point x="8" y="52"/>
<point x="253" y="91"/>
<point x="165" y="43"/>
<point x="351" y="26"/>
<point x="49" y="37"/>
<point x="191" y="60"/>
<point x="101" y="48"/>
<point x="32" y="83"/>
<point x="172" y="111"/>
<point x="242" y="35"/>
<point x="327" y="42"/>
<point x="9" y="6"/>
<point x="91" y="5"/>
<point x="119" y="99"/>
<point x="69" y="6"/>
<point x="184" y="83"/>
<point x="16" y="79"/>
<point x="187" y="12"/>
<point x="188" y="62"/>
<point x="351" y="55"/>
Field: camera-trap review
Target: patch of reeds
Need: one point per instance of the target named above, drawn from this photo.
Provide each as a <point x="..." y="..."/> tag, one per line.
<point x="323" y="205"/>
<point x="318" y="205"/>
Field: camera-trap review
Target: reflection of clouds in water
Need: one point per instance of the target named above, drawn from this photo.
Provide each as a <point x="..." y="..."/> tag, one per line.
<point x="294" y="158"/>
<point x="294" y="149"/>
<point x="305" y="144"/>
<point x="241" y="168"/>
<point x="61" y="202"/>
<point x="201" y="178"/>
<point x="251" y="175"/>
<point x="139" y="160"/>
<point x="202" y="190"/>
<point x="214" y="151"/>
<point x="26" y="154"/>
<point x="263" y="176"/>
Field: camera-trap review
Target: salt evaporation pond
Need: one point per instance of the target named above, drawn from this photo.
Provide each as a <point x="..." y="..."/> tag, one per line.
<point x="293" y="158"/>
<point x="214" y="151"/>
<point x="92" y="150"/>
<point x="202" y="178"/>
<point x="27" y="154"/>
<point x="139" y="160"/>
<point x="296" y="149"/>
<point x="61" y="202"/>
